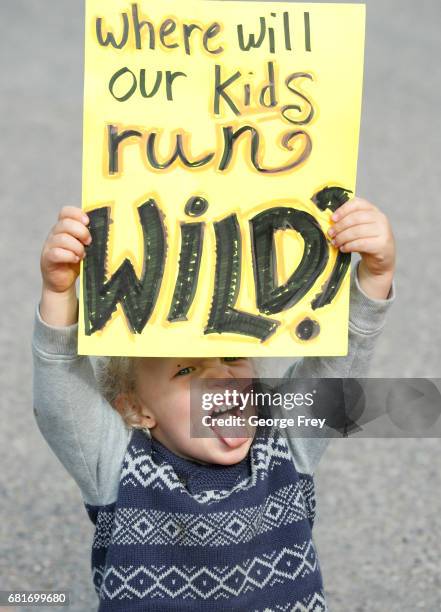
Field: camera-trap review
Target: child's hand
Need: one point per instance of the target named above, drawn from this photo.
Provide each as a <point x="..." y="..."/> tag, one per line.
<point x="361" y="227"/>
<point x="64" y="249"/>
<point x="60" y="266"/>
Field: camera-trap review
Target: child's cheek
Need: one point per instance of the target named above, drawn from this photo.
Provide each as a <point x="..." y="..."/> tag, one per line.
<point x="180" y="407"/>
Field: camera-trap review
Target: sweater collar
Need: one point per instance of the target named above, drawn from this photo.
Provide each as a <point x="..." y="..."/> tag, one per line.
<point x="197" y="477"/>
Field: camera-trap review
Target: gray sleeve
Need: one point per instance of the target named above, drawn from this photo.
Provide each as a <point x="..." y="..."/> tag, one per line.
<point x="366" y="320"/>
<point x="86" y="434"/>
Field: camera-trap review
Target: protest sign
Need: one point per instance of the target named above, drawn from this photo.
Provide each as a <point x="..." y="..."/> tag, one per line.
<point x="218" y="139"/>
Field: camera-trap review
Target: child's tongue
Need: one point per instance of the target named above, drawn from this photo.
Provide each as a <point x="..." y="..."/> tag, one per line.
<point x="232" y="442"/>
<point x="229" y="434"/>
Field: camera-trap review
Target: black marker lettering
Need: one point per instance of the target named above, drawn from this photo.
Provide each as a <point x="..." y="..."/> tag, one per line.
<point x="307" y="32"/>
<point x="287" y="32"/>
<point x="137" y="297"/>
<point x="110" y="38"/>
<point x="223" y="316"/>
<point x="253" y="41"/>
<point x="115" y="78"/>
<point x="219" y="90"/>
<point x="307" y="329"/>
<point x="212" y="31"/>
<point x="333" y="283"/>
<point x="169" y="80"/>
<point x="138" y="27"/>
<point x="271" y="297"/>
<point x="114" y="139"/>
<point x="142" y="84"/>
<point x="179" y="152"/>
<point x="231" y="136"/>
<point x="272" y="38"/>
<point x="188" y="274"/>
<point x="290" y="107"/>
<point x="270" y="89"/>
<point x="331" y="198"/>
<point x="167" y="28"/>
<point x="188" y="30"/>
<point x="247" y="94"/>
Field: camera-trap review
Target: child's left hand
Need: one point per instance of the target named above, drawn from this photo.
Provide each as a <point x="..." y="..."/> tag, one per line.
<point x="361" y="227"/>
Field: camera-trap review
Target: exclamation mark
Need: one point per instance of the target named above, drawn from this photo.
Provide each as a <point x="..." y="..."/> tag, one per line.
<point x="331" y="198"/>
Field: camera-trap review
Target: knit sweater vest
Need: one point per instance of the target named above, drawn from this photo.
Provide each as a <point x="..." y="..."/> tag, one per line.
<point x="183" y="536"/>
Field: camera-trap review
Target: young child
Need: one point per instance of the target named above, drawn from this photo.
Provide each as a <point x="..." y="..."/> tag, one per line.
<point x="188" y="523"/>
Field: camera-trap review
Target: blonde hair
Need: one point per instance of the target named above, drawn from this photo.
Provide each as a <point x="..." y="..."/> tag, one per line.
<point x="117" y="375"/>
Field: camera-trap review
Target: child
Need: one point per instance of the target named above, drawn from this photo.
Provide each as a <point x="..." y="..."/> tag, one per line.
<point x="185" y="523"/>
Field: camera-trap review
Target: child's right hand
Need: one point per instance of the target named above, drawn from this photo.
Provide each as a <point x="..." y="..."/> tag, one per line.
<point x="64" y="249"/>
<point x="60" y="266"/>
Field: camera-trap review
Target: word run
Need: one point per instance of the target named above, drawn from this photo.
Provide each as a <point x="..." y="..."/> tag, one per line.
<point x="298" y="142"/>
<point x="138" y="297"/>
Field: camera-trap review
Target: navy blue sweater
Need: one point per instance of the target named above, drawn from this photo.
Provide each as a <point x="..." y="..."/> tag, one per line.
<point x="183" y="536"/>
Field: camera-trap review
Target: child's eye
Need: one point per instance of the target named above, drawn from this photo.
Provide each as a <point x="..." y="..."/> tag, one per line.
<point x="184" y="371"/>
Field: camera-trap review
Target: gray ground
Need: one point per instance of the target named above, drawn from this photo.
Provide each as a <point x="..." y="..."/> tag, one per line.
<point x="379" y="527"/>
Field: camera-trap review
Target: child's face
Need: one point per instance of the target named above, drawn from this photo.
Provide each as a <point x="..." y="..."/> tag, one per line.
<point x="162" y="395"/>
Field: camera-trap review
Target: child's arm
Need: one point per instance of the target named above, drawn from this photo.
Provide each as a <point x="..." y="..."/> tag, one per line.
<point x="359" y="227"/>
<point x="85" y="433"/>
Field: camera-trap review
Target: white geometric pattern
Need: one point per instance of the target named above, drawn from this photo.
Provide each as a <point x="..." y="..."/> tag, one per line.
<point x="155" y="527"/>
<point x="211" y="583"/>
<point x="314" y="603"/>
<point x="307" y="486"/>
<point x="103" y="531"/>
<point x="139" y="468"/>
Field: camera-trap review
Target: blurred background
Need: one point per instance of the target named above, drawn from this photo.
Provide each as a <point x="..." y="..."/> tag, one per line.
<point x="379" y="520"/>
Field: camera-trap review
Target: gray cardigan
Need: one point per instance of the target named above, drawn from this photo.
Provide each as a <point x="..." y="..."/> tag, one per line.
<point x="90" y="438"/>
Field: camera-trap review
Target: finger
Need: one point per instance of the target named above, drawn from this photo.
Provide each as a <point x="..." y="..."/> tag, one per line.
<point x="74" y="228"/>
<point x="73" y="212"/>
<point x="366" y="230"/>
<point x="59" y="255"/>
<point x="354" y="218"/>
<point x="361" y="245"/>
<point x="68" y="242"/>
<point x="353" y="205"/>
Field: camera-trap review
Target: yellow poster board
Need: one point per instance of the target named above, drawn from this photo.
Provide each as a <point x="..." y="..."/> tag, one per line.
<point x="218" y="139"/>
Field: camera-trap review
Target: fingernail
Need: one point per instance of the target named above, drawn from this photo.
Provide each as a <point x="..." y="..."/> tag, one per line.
<point x="334" y="217"/>
<point x="85" y="219"/>
<point x="331" y="231"/>
<point x="333" y="242"/>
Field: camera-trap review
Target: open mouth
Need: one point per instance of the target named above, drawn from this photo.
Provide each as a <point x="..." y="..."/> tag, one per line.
<point x="225" y="410"/>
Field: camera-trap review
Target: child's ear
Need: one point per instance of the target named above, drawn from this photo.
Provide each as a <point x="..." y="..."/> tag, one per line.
<point x="131" y="412"/>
